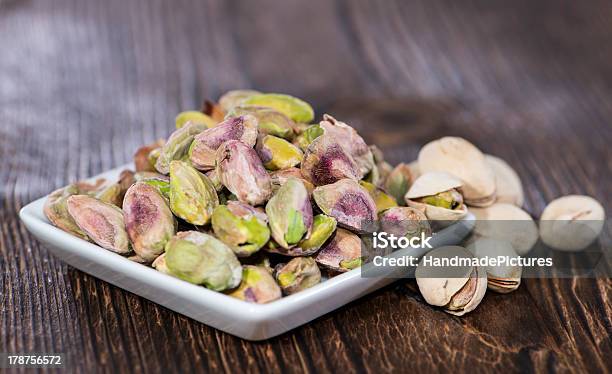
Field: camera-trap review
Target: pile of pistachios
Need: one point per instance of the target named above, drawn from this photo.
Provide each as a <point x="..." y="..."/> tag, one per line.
<point x="250" y="198"/>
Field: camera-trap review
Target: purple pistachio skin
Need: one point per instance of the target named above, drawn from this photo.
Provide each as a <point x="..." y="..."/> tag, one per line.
<point x="240" y="170"/>
<point x="405" y="221"/>
<point x="349" y="203"/>
<point x="203" y="149"/>
<point x="326" y="161"/>
<point x="342" y="253"/>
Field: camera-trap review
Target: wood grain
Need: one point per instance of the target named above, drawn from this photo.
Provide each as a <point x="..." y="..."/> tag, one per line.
<point x="83" y="83"/>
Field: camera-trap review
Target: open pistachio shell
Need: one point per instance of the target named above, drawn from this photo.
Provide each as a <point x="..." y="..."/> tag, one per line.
<point x="323" y="227"/>
<point x="307" y="136"/>
<point x="342" y="253"/>
<point x="242" y="173"/>
<point x="294" y="108"/>
<point x="326" y="161"/>
<point x="348" y="202"/>
<point x="414" y="169"/>
<point x="381" y="199"/>
<point x="193" y="116"/>
<point x="298" y="274"/>
<point x="148" y="220"/>
<point x="507" y="181"/>
<point x="200" y="258"/>
<point x="234" y="98"/>
<point x="102" y="222"/>
<point x="501" y="278"/>
<point x="243" y="228"/>
<point x="192" y="195"/>
<point x="279" y="177"/>
<point x="405" y="221"/>
<point x="458" y="157"/>
<point x="142" y="162"/>
<point x="398" y="182"/>
<point x="269" y="121"/>
<point x="177" y="146"/>
<point x="257" y="286"/>
<point x="202" y="152"/>
<point x="277" y="153"/>
<point x="571" y="223"/>
<point x="438" y="194"/>
<point x="290" y="214"/>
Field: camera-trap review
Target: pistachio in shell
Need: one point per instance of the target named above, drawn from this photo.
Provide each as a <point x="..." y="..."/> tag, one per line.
<point x="381" y="199"/>
<point x="342" y="253"/>
<point x="257" y="286"/>
<point x="501" y="278"/>
<point x="307" y="136"/>
<point x="326" y="161"/>
<point x="414" y="169"/>
<point x="243" y="228"/>
<point x="349" y="203"/>
<point x="193" y="116"/>
<point x="177" y="146"/>
<point x="277" y="153"/>
<point x="269" y="121"/>
<point x="405" y="221"/>
<point x="323" y="227"/>
<point x="148" y="220"/>
<point x="242" y="173"/>
<point x="279" y="177"/>
<point x="571" y="223"/>
<point x="290" y="214"/>
<point x="458" y="157"/>
<point x="398" y="181"/>
<point x="192" y="195"/>
<point x="142" y="161"/>
<point x="231" y="99"/>
<point x="297" y="275"/>
<point x="297" y="110"/>
<point x="458" y="289"/>
<point x="102" y="222"/>
<point x="202" y="152"/>
<point x="507" y="182"/>
<point x="438" y="194"/>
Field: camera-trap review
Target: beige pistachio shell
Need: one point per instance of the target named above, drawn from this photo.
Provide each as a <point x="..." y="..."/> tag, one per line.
<point x="462" y="159"/>
<point x="430" y="184"/>
<point x="571" y="223"/>
<point x="507" y="181"/>
<point x="502" y="278"/>
<point x="506" y="222"/>
<point x="414" y="169"/>
<point x="474" y="291"/>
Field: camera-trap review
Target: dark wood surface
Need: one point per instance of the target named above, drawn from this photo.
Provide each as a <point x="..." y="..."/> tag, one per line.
<point x="83" y="82"/>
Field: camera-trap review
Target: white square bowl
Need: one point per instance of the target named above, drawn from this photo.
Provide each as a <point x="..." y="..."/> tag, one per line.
<point x="245" y="320"/>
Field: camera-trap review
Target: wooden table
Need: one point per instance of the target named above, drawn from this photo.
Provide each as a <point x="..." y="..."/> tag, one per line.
<point x="83" y="83"/>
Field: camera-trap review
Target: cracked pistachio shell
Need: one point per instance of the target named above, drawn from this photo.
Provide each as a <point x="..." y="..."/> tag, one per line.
<point x="290" y="214"/>
<point x="572" y="223"/>
<point x="102" y="222"/>
<point x="381" y="199"/>
<point x="142" y="162"/>
<point x="458" y="157"/>
<point x="148" y="219"/>
<point x="269" y="121"/>
<point x="458" y="290"/>
<point x="323" y="227"/>
<point x="202" y="152"/>
<point x="350" y="140"/>
<point x="297" y="110"/>
<point x="279" y="177"/>
<point x="508" y="184"/>
<point x="502" y="278"/>
<point x="298" y="274"/>
<point x="200" y="258"/>
<point x="348" y="202"/>
<point x="192" y="195"/>
<point x="342" y="253"/>
<point x="307" y="136"/>
<point x="193" y="116"/>
<point x="242" y="173"/>
<point x="277" y="153"/>
<point x="234" y="98"/>
<point x="243" y="228"/>
<point x="257" y="286"/>
<point x="326" y="161"/>
<point x="398" y="182"/>
<point x="177" y="146"/>
<point x="438" y="194"/>
<point x="405" y="221"/>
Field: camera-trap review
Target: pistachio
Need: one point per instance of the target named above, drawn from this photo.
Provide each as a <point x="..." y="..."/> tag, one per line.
<point x="290" y="213"/>
<point x="326" y="161"/>
<point x="160" y="264"/>
<point x="257" y="286"/>
<point x="342" y="253"/>
<point x="193" y="116"/>
<point x="148" y="219"/>
<point x="177" y="146"/>
<point x="294" y="108"/>
<point x="507" y="182"/>
<point x="161" y="184"/>
<point x="192" y="195"/>
<point x="203" y="150"/>
<point x="269" y="121"/>
<point x="307" y="136"/>
<point x="323" y="227"/>
<point x="438" y="194"/>
<point x="142" y="175"/>
<point x="501" y="278"/>
<point x="405" y="221"/>
<point x="56" y="210"/>
<point x="458" y="157"/>
<point x="381" y="199"/>
<point x="242" y="173"/>
<point x="234" y="98"/>
<point x="277" y="153"/>
<point x="214" y="178"/>
<point x="103" y="223"/>
<point x="243" y="228"/>
<point x="571" y="223"/>
<point x="458" y="289"/>
<point x="348" y="138"/>
<point x="414" y="169"/>
<point x="297" y="275"/>
<point x="142" y="162"/>
<point x="113" y="193"/>
<point x="279" y="177"/>
<point x="199" y="258"/>
<point x="348" y="202"/>
<point x="398" y="182"/>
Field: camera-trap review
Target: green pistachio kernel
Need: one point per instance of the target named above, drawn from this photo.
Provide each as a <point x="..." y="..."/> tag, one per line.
<point x="193" y="116"/>
<point x="294" y="108"/>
